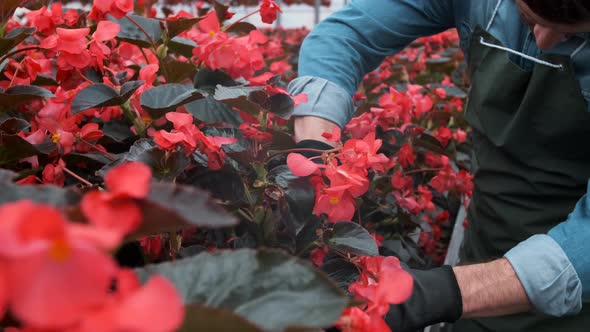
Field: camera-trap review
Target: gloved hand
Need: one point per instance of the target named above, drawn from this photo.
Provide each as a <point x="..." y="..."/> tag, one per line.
<point x="436" y="298"/>
<point x="312" y="144"/>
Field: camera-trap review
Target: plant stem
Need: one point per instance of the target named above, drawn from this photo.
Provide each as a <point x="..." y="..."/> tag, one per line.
<point x="24" y="49"/>
<point x="147" y="35"/>
<point x="147" y="60"/>
<point x="108" y="155"/>
<point x="78" y="177"/>
<point x="274" y="155"/>
<point x="423" y="170"/>
<point x="240" y="20"/>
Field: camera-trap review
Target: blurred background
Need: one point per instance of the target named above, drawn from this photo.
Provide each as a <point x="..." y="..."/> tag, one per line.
<point x="296" y="13"/>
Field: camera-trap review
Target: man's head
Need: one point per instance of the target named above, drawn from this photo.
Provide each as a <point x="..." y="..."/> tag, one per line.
<point x="553" y="21"/>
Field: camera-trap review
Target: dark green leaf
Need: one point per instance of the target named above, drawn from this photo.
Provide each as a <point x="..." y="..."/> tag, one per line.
<point x="7" y="7"/>
<point x="14" y="148"/>
<point x="241" y="27"/>
<point x="97" y="157"/>
<point x="269" y="288"/>
<point x="221" y="10"/>
<point x="48" y="194"/>
<point x="224" y="184"/>
<point x="407" y="251"/>
<point x="132" y="34"/>
<point x="14" y="125"/>
<point x="176" y="27"/>
<point x="182" y="46"/>
<point x="170" y="207"/>
<point x="199" y="318"/>
<point x="430" y="143"/>
<point x="244" y="104"/>
<point x="341" y="272"/>
<point x="179" y="71"/>
<point x="166" y="98"/>
<point x="164" y="166"/>
<point x="282" y="105"/>
<point x="117" y="130"/>
<point x="210" y="110"/>
<point x="241" y="145"/>
<point x="299" y="195"/>
<point x="231" y="92"/>
<point x="95" y="95"/>
<point x="245" y="99"/>
<point x="13" y="38"/>
<point x="21" y="94"/>
<point x="207" y="80"/>
<point x="352" y="238"/>
<point x="44" y="80"/>
<point x="307" y="235"/>
<point x="7" y="176"/>
<point x="452" y="91"/>
<point x="281" y="140"/>
<point x="102" y="95"/>
<point x="128" y="89"/>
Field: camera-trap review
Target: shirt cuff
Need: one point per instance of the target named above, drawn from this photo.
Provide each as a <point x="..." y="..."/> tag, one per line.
<point x="548" y="277"/>
<point x="326" y="100"/>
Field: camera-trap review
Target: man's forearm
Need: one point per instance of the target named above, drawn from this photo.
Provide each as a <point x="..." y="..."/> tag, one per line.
<point x="312" y="127"/>
<point x="491" y="289"/>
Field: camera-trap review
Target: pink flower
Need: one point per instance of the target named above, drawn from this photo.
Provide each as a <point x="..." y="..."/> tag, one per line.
<point x="56" y="271"/>
<point x="157" y="303"/>
<point x="300" y="165"/>
<point x="116" y="208"/>
<point x="268" y="11"/>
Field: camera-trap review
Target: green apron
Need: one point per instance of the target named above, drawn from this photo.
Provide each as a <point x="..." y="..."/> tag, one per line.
<point x="531" y="135"/>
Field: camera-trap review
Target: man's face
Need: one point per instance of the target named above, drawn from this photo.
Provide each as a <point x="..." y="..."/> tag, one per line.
<point x="549" y="34"/>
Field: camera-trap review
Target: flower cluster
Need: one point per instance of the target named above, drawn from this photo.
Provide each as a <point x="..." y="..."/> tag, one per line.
<point x="84" y="93"/>
<point x="189" y="138"/>
<point x="347" y="173"/>
<point x="58" y="275"/>
<point x="382" y="282"/>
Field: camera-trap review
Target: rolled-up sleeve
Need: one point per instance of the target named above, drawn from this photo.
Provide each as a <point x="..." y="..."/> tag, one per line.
<point x="547" y="275"/>
<point x="348" y="44"/>
<point x="555" y="268"/>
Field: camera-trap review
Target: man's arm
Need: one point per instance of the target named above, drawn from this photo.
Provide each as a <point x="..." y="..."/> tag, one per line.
<point x="343" y="48"/>
<point x="446" y="294"/>
<point x="491" y="289"/>
<point x="548" y="273"/>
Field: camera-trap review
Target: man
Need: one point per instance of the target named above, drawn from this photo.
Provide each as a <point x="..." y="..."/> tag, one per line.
<point x="525" y="252"/>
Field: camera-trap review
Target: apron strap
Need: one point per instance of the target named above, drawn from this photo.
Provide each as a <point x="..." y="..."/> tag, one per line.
<point x="493" y="15"/>
<point x="581" y="47"/>
<point x="528" y="57"/>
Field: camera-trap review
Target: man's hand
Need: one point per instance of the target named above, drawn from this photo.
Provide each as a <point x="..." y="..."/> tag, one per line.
<point x="436" y="298"/>
<point x="312" y="128"/>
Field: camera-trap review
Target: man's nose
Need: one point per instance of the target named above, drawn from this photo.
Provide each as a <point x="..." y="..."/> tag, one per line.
<point x="547" y="38"/>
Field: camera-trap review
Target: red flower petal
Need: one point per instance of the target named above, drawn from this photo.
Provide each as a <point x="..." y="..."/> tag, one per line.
<point x="121" y="215"/>
<point x="132" y="179"/>
<point x="106" y="30"/>
<point x="300" y="165"/>
<point x="147" y="303"/>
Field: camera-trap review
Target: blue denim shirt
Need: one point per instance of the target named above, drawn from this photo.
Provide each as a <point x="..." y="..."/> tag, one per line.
<point x="555" y="267"/>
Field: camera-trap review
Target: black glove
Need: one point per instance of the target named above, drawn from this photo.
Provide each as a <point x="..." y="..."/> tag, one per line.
<point x="436" y="298"/>
<point x="312" y="144"/>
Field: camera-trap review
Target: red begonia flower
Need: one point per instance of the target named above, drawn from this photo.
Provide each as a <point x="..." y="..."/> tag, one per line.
<point x="300" y="165"/>
<point x="268" y="11"/>
<point x="157" y="303"/>
<point x="54" y="274"/>
<point x="116" y="208"/>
